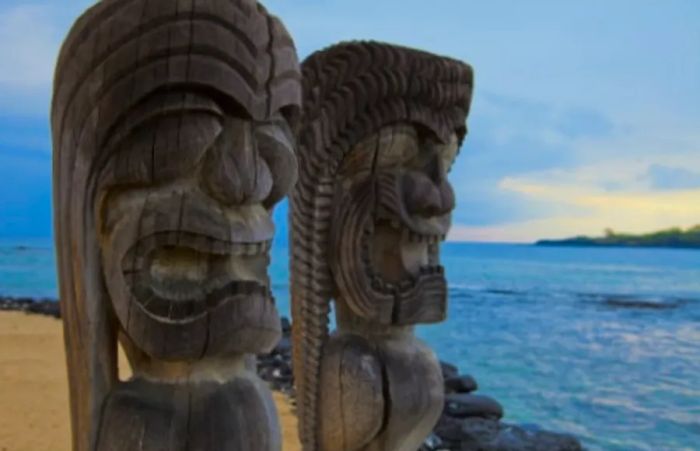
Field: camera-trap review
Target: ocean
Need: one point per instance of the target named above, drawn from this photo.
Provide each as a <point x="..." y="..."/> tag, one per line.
<point x="603" y="343"/>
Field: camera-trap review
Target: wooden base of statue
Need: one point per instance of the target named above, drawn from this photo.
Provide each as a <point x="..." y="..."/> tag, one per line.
<point x="238" y="414"/>
<point x="379" y="393"/>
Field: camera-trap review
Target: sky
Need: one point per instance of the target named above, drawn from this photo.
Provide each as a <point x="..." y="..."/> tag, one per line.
<point x="586" y="115"/>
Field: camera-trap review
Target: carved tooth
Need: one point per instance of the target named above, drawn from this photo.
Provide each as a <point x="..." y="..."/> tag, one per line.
<point x="205" y="244"/>
<point x="172" y="238"/>
<point x="251" y="249"/>
<point x="216" y="247"/>
<point x="237" y="250"/>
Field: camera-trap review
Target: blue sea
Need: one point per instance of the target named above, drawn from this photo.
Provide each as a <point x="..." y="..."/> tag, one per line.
<point x="600" y="343"/>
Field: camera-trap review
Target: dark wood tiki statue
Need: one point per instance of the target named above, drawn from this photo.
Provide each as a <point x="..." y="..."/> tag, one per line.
<point x="172" y="131"/>
<point x="382" y="126"/>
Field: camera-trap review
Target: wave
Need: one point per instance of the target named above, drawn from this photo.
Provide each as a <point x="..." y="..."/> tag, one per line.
<point x="616" y="301"/>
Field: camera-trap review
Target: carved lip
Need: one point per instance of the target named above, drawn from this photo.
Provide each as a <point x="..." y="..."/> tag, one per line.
<point x="180" y="276"/>
<point x="417" y="255"/>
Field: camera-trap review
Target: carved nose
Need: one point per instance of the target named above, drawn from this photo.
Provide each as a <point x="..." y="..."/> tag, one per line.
<point x="233" y="172"/>
<point x="426" y="197"/>
<point x="428" y="193"/>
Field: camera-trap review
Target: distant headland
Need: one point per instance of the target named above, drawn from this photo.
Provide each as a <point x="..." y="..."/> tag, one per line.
<point x="670" y="238"/>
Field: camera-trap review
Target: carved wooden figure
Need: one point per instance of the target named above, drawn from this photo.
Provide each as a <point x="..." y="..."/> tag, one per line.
<point x="382" y="126"/>
<point x="172" y="132"/>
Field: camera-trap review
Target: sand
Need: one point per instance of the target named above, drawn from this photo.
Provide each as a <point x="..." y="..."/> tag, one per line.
<point x="34" y="390"/>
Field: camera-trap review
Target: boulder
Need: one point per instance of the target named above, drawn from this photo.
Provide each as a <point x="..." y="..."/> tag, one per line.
<point x="461" y="384"/>
<point x="448" y="370"/>
<point x="464" y="405"/>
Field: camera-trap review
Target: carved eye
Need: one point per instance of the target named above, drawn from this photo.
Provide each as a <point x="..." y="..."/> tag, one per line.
<point x="161" y="138"/>
<point x="448" y="152"/>
<point x="164" y="148"/>
<point x="397" y="145"/>
<point x="392" y="147"/>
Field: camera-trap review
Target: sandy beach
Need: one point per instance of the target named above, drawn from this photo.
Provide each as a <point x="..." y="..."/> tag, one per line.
<point x="34" y="390"/>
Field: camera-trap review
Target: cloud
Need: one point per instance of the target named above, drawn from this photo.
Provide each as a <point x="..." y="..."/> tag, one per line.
<point x="28" y="49"/>
<point x="621" y="213"/>
<point x="512" y="136"/>
<point x="602" y="110"/>
<point x="632" y="179"/>
<point x="576" y="206"/>
<point x="30" y="37"/>
<point x="669" y="177"/>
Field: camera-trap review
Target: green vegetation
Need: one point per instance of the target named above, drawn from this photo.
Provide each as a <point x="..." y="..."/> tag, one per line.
<point x="675" y="237"/>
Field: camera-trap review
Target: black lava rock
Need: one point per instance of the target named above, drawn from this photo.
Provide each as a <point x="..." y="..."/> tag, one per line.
<point x="464" y="405"/>
<point x="448" y="370"/>
<point x="461" y="384"/>
<point x="490" y="435"/>
<point x="48" y="307"/>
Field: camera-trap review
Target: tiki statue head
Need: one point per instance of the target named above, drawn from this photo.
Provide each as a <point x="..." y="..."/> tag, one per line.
<point x="173" y="139"/>
<point x="382" y="126"/>
<point x="393" y="204"/>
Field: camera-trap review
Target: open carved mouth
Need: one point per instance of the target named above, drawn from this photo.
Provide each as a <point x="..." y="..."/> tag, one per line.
<point x="398" y="257"/>
<point x="180" y="276"/>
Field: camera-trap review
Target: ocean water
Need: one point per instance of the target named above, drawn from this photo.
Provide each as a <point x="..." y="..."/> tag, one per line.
<point x="600" y="343"/>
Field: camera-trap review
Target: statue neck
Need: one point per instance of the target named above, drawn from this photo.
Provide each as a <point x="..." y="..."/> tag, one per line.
<point x="208" y="369"/>
<point x="349" y="322"/>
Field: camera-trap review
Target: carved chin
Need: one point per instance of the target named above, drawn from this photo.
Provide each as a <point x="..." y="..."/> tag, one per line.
<point x="398" y="258"/>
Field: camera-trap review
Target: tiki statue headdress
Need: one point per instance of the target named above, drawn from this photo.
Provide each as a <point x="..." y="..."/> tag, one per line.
<point x="382" y="125"/>
<point x="172" y="132"/>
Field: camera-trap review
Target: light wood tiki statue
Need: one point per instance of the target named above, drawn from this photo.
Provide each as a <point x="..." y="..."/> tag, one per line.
<point x="382" y="126"/>
<point x="172" y="132"/>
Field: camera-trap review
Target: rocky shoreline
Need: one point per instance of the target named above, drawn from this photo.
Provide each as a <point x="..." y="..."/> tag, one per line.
<point x="44" y="306"/>
<point x="469" y="422"/>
